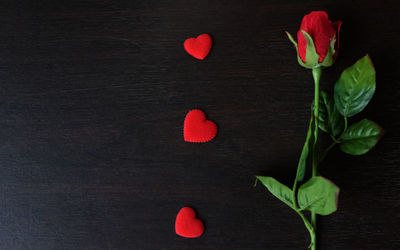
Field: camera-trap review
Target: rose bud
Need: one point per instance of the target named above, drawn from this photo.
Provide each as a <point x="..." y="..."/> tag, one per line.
<point x="318" y="40"/>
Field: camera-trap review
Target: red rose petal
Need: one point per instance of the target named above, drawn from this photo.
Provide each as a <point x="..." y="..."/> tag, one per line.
<point x="337" y="25"/>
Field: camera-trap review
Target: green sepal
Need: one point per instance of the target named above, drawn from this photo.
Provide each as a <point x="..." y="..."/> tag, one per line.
<point x="360" y="137"/>
<point x="279" y="190"/>
<point x="318" y="195"/>
<point x="312" y="56"/>
<point x="329" y="60"/>
<point x="291" y="39"/>
<point x="301" y="62"/>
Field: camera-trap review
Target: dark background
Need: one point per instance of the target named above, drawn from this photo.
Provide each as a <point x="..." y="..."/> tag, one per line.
<point x="92" y="102"/>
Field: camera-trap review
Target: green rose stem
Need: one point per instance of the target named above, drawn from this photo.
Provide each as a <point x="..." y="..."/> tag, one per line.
<point x="307" y="223"/>
<point x="316" y="72"/>
<point x="312" y="227"/>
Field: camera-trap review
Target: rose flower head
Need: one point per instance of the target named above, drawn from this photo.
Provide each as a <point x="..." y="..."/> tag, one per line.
<point x="317" y="40"/>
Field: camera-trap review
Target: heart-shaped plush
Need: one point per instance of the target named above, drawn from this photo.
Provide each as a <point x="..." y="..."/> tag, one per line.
<point x="187" y="225"/>
<point x="197" y="128"/>
<point x="198" y="47"/>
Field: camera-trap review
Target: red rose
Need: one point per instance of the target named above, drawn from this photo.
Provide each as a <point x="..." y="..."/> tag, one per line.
<point x="318" y="40"/>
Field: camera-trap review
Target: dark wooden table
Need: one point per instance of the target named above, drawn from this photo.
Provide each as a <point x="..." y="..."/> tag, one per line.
<point x="93" y="97"/>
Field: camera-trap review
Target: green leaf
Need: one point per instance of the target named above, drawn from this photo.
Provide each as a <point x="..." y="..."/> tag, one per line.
<point x="360" y="137"/>
<point x="318" y="195"/>
<point x="279" y="190"/>
<point x="301" y="167"/>
<point x="330" y="120"/>
<point x="355" y="87"/>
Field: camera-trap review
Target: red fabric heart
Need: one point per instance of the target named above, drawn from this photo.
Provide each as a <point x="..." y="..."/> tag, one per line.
<point x="187" y="225"/>
<point x="197" y="128"/>
<point x="198" y="47"/>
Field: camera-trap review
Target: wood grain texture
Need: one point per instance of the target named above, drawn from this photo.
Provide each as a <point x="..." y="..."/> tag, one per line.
<point x="92" y="101"/>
